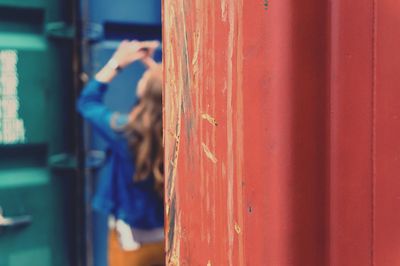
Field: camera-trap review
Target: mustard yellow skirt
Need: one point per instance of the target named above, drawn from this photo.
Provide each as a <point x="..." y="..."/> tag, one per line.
<point x="147" y="255"/>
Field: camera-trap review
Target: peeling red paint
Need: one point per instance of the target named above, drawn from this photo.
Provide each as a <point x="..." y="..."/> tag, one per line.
<point x="208" y="35"/>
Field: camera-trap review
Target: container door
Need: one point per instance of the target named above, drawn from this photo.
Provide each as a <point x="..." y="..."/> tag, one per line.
<point x="36" y="134"/>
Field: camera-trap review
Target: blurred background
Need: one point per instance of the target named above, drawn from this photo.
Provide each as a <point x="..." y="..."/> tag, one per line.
<point x="50" y="159"/>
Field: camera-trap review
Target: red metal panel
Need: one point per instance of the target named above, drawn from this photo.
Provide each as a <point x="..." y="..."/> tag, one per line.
<point x="351" y="138"/>
<point x="281" y="132"/>
<point x="365" y="148"/>
<point x="387" y="134"/>
<point x="245" y="132"/>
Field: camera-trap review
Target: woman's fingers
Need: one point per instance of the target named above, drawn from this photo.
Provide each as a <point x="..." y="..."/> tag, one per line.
<point x="150" y="44"/>
<point x="149" y="62"/>
<point x="131" y="51"/>
<point x="134" y="45"/>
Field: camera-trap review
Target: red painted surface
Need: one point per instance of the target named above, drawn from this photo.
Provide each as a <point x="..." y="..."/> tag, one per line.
<point x="351" y="140"/>
<point x="365" y="147"/>
<point x="387" y="134"/>
<point x="281" y="132"/>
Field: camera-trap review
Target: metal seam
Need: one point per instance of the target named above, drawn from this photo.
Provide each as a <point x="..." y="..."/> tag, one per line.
<point x="328" y="153"/>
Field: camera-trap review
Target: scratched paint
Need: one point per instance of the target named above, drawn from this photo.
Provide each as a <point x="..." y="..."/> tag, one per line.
<point x="219" y="93"/>
<point x="210" y="119"/>
<point x="202" y="83"/>
<point x="208" y="153"/>
<point x="224" y="141"/>
<point x="277" y="138"/>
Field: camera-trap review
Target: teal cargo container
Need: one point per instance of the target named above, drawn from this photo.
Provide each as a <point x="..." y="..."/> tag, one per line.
<point x="38" y="176"/>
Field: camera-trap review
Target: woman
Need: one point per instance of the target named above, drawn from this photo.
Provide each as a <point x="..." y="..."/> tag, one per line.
<point x="131" y="185"/>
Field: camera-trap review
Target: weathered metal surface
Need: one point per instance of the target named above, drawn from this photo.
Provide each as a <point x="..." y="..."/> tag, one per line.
<point x="280" y="132"/>
<point x="244" y="132"/>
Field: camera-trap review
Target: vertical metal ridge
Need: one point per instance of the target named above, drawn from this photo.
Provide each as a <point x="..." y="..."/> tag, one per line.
<point x="328" y="126"/>
<point x="373" y="132"/>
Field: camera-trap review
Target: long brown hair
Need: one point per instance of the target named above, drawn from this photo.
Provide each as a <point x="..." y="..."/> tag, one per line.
<point x="144" y="132"/>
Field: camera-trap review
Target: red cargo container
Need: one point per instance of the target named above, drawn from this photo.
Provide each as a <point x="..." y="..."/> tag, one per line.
<point x="281" y="132"/>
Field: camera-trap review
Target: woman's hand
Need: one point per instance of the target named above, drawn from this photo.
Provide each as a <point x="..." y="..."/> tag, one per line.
<point x="126" y="53"/>
<point x="131" y="51"/>
<point x="151" y="47"/>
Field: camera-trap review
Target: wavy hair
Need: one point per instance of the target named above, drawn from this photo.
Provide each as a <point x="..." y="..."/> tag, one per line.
<point x="144" y="132"/>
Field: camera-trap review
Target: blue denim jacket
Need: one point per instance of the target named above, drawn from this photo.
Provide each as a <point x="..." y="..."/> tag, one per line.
<point x="136" y="203"/>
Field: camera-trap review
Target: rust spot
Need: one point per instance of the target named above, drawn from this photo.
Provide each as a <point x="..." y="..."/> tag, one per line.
<point x="210" y="119"/>
<point x="208" y="153"/>
<point x="266" y="4"/>
<point x="237" y="228"/>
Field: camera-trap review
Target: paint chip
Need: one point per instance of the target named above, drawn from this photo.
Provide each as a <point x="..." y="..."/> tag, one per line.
<point x="224" y="7"/>
<point x="174" y="260"/>
<point x="210" y="119"/>
<point x="208" y="153"/>
<point x="237" y="228"/>
<point x="175" y="136"/>
<point x="209" y="263"/>
<point x="197" y="48"/>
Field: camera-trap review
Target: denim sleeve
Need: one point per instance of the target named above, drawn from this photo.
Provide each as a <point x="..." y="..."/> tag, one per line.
<point x="91" y="106"/>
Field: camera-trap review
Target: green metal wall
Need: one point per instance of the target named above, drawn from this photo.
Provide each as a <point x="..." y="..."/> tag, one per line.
<point x="37" y="168"/>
